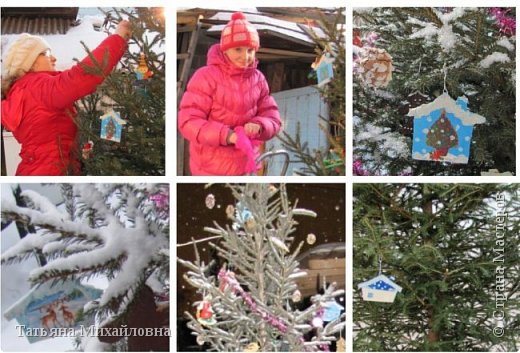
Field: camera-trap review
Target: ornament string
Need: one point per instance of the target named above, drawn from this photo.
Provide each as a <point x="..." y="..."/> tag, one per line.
<point x="380" y="265"/>
<point x="445" y="69"/>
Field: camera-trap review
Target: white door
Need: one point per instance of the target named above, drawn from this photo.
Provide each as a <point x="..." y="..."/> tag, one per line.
<point x="304" y="106"/>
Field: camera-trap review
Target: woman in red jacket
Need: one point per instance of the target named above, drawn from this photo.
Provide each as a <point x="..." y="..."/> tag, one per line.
<point x="226" y="110"/>
<point x="39" y="104"/>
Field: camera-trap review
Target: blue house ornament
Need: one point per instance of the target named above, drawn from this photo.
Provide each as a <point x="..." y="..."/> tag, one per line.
<point x="379" y="289"/>
<point x="111" y="126"/>
<point x="324" y="69"/>
<point x="442" y="130"/>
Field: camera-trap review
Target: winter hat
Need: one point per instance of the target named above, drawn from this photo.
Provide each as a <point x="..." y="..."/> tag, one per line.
<point x="22" y="54"/>
<point x="239" y="33"/>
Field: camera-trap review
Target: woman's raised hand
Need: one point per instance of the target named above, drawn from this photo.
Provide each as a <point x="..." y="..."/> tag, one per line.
<point x="123" y="29"/>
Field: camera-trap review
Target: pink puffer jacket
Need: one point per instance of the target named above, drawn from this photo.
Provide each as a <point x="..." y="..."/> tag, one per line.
<point x="219" y="97"/>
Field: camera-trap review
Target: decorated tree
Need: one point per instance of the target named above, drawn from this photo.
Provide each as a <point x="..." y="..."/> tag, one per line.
<point x="134" y="93"/>
<point x="117" y="231"/>
<point x="453" y="250"/>
<point x="331" y="161"/>
<point x="442" y="136"/>
<point x="248" y="303"/>
<point x="462" y="51"/>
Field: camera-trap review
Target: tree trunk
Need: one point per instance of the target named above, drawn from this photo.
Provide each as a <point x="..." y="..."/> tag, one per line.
<point x="433" y="336"/>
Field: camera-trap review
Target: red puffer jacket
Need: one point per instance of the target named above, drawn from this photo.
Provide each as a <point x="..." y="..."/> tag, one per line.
<point x="39" y="111"/>
<point x="219" y="97"/>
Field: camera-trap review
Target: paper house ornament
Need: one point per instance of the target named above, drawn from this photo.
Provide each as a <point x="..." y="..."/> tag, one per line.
<point x="442" y="130"/>
<point x="379" y="289"/>
<point x="112" y="126"/>
<point x="324" y="69"/>
<point x="332" y="310"/>
<point x="46" y="307"/>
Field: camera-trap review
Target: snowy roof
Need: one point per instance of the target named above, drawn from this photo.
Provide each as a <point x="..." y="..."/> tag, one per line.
<point x="444" y="101"/>
<point x="38" y="20"/>
<point x="381" y="278"/>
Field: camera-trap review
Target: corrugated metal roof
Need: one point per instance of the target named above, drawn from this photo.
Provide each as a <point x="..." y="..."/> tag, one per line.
<point x="39" y="25"/>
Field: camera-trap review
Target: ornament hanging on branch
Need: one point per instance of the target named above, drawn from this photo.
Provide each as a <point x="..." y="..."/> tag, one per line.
<point x="324" y="69"/>
<point x="111" y="126"/>
<point x="252" y="347"/>
<point x="87" y="150"/>
<point x="53" y="306"/>
<point x="311" y="238"/>
<point x="356" y="39"/>
<point x="374" y="67"/>
<point x="317" y="321"/>
<point x="341" y="345"/>
<point x="210" y="201"/>
<point x="506" y="23"/>
<point x="334" y="160"/>
<point x="443" y="129"/>
<point x="332" y="310"/>
<point x="296" y="296"/>
<point x="243" y="216"/>
<point x="142" y="74"/>
<point x="380" y="288"/>
<point x="205" y="314"/>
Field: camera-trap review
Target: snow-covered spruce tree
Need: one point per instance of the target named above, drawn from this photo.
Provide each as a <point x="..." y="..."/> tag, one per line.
<point x="332" y="161"/>
<point x="117" y="231"/>
<point x="140" y="103"/>
<point x="249" y="301"/>
<point x="479" y="53"/>
<point x="453" y="248"/>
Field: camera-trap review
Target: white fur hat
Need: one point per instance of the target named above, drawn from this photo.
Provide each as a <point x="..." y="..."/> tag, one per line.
<point x="22" y="53"/>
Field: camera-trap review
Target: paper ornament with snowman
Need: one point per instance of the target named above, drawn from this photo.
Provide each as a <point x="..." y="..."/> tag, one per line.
<point x="443" y="130"/>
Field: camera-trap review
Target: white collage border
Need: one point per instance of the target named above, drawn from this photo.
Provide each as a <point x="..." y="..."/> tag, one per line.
<point x="171" y="125"/>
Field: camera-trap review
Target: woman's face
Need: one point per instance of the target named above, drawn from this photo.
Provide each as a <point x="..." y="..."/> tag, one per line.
<point x="44" y="62"/>
<point x="241" y="56"/>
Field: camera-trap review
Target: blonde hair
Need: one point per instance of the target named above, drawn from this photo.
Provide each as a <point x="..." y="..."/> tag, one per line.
<point x="8" y="82"/>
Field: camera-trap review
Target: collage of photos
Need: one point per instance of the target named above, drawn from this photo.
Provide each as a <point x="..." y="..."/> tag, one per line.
<point x="414" y="249"/>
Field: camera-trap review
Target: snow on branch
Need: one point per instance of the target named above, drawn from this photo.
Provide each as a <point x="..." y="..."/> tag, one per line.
<point x="115" y="232"/>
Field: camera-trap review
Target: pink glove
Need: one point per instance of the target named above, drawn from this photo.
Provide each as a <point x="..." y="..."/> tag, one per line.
<point x="246" y="146"/>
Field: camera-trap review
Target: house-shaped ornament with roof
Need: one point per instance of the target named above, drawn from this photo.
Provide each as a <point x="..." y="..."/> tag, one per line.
<point x="111" y="126"/>
<point x="324" y="69"/>
<point x="46" y="307"/>
<point x="379" y="289"/>
<point x="442" y="130"/>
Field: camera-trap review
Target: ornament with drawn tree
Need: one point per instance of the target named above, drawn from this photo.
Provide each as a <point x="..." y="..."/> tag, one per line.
<point x="441" y="136"/>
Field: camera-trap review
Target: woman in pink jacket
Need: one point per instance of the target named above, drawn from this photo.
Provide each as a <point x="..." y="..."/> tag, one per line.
<point x="226" y="111"/>
<point x="39" y="104"/>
